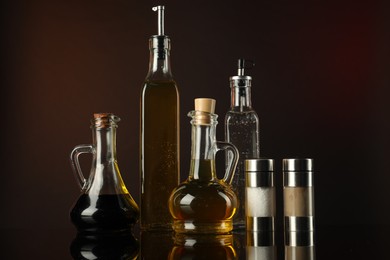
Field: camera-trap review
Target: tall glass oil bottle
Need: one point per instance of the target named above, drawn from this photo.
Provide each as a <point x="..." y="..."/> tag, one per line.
<point x="204" y="204"/>
<point x="242" y="130"/>
<point x="159" y="133"/>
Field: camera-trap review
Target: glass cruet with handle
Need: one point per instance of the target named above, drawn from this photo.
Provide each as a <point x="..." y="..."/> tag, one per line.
<point x="105" y="205"/>
<point x="203" y="203"/>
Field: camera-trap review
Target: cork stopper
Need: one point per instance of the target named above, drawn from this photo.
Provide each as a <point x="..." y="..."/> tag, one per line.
<point x="203" y="113"/>
<point x="101" y="115"/>
<point x="104" y="120"/>
<point x="205" y="105"/>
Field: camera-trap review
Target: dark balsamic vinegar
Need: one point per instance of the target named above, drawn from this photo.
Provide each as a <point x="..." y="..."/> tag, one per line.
<point x="104" y="213"/>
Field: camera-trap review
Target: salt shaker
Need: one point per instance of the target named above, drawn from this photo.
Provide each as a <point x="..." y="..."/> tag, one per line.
<point x="259" y="195"/>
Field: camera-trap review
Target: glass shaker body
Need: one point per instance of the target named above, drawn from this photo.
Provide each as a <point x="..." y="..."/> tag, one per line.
<point x="204" y="203"/>
<point x="105" y="205"/>
<point x="242" y="130"/>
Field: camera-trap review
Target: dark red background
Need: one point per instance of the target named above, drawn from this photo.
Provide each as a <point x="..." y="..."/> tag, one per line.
<point x="320" y="86"/>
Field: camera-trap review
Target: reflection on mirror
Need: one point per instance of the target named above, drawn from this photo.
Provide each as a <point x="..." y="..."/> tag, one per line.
<point x="203" y="247"/>
<point x="124" y="246"/>
<point x="260" y="246"/>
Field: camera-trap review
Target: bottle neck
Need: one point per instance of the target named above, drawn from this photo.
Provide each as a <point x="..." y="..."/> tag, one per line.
<point x="203" y="152"/>
<point x="105" y="143"/>
<point x="159" y="59"/>
<point x="105" y="177"/>
<point x="241" y="98"/>
<point x="241" y="93"/>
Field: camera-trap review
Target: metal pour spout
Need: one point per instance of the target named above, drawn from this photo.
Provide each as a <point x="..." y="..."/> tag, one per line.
<point x="160" y="22"/>
<point x="244" y="64"/>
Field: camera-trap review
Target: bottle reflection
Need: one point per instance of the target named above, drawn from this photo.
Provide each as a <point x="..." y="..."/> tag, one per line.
<point x="299" y="245"/>
<point x="203" y="247"/>
<point x="155" y="245"/>
<point x="113" y="247"/>
<point x="260" y="246"/>
<point x="300" y="253"/>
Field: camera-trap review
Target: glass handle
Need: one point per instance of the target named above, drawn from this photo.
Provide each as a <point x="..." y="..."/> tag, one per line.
<point x="232" y="161"/>
<point x="74" y="161"/>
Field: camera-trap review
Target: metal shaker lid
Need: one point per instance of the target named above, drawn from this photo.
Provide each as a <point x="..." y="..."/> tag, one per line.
<point x="259" y="172"/>
<point x="259" y="165"/>
<point x="298" y="165"/>
<point x="298" y="172"/>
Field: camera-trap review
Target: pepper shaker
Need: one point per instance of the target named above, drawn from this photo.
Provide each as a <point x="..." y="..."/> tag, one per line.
<point x="298" y="208"/>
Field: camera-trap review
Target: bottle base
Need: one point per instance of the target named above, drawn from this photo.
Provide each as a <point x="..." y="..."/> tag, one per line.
<point x="157" y="227"/>
<point x="102" y="232"/>
<point x="194" y="227"/>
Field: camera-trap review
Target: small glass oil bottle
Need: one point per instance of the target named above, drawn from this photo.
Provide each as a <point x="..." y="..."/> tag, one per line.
<point x="159" y="133"/>
<point x="242" y="130"/>
<point x="203" y="203"/>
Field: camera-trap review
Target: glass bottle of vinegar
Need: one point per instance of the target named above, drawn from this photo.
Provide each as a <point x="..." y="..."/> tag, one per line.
<point x="105" y="205"/>
<point x="159" y="134"/>
<point x="203" y="203"/>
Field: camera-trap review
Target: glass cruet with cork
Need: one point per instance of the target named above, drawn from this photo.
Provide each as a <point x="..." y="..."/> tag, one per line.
<point x="204" y="204"/>
<point x="159" y="133"/>
<point x="105" y="205"/>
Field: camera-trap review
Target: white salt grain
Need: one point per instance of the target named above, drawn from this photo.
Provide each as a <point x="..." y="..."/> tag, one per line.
<point x="260" y="202"/>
